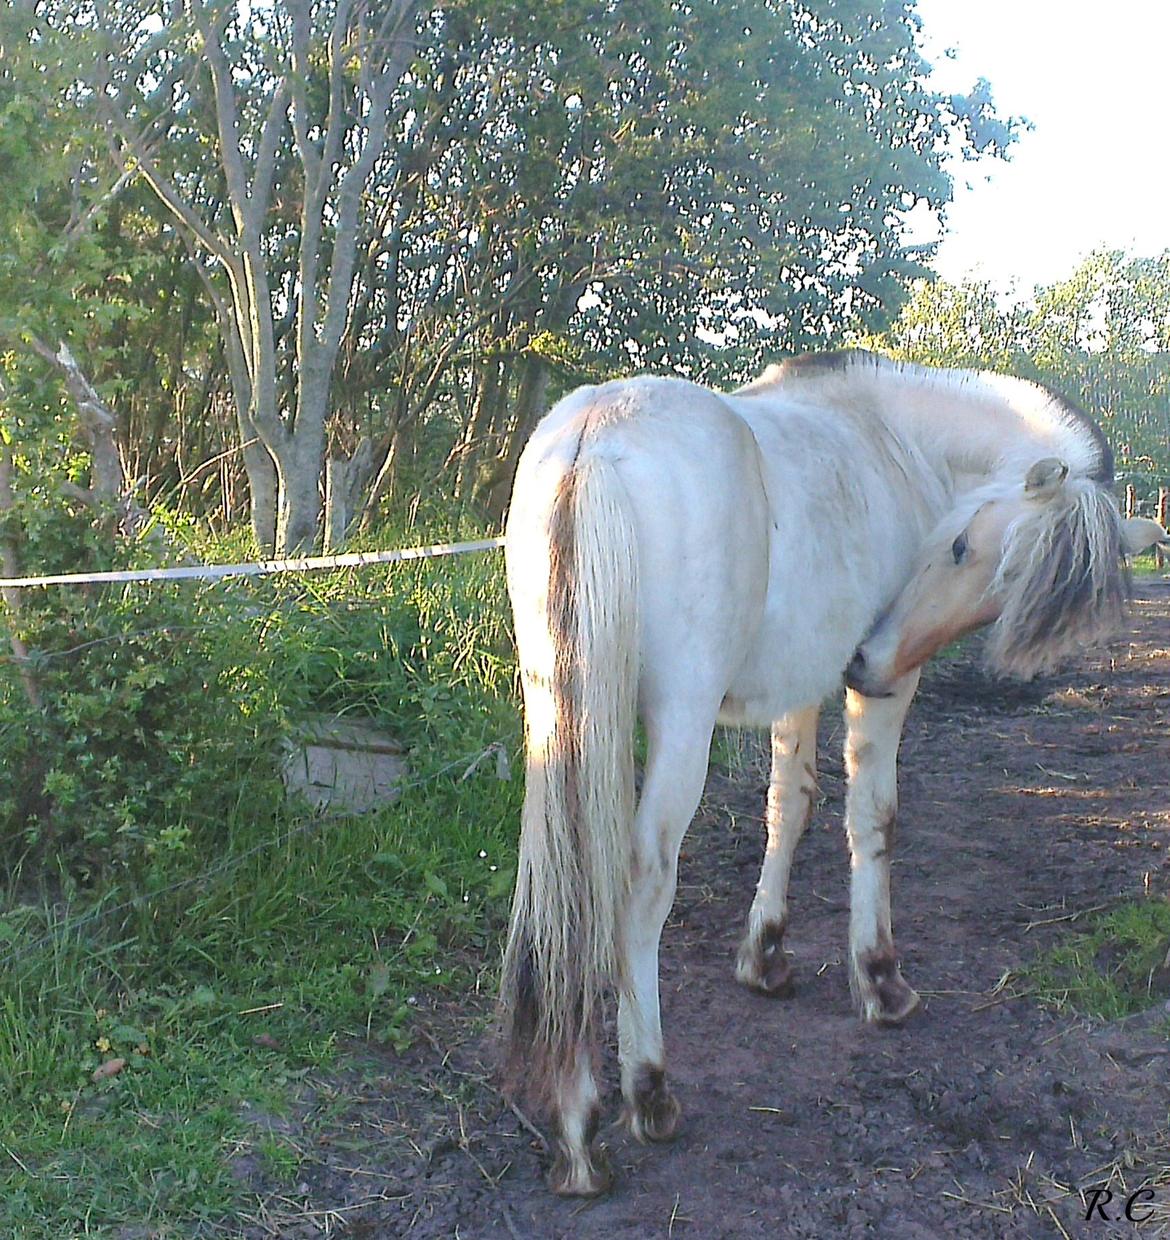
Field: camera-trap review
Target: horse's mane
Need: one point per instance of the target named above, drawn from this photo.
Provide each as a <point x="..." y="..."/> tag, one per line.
<point x="839" y="372"/>
<point x="1062" y="581"/>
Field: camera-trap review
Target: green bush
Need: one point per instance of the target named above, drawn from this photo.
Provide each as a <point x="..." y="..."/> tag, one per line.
<point x="163" y="704"/>
<point x="158" y="716"/>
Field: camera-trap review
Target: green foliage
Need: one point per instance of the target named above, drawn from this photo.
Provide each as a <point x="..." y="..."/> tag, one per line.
<point x="1100" y="337"/>
<point x="566" y="192"/>
<point x="265" y="923"/>
<point x="1114" y="967"/>
<point x="163" y="705"/>
<point x="155" y="713"/>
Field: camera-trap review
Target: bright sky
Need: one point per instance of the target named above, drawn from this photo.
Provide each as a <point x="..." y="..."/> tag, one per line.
<point x="1092" y="78"/>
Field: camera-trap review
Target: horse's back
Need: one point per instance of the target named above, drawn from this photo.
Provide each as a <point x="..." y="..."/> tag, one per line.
<point x="689" y="474"/>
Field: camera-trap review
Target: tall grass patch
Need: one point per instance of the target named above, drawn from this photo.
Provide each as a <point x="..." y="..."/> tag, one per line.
<point x="219" y="942"/>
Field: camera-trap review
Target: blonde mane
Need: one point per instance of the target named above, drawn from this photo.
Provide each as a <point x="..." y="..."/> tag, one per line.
<point x="946" y="400"/>
<point x="1062" y="581"/>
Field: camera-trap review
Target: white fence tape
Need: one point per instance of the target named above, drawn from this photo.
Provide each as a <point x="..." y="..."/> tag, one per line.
<point x="256" y="568"/>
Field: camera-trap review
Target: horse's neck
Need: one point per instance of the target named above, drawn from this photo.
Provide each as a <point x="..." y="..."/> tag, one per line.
<point x="968" y="443"/>
<point x="866" y="471"/>
<point x="969" y="427"/>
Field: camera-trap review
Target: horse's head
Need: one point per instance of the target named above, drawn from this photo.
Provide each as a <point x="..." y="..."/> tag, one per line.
<point x="1041" y="560"/>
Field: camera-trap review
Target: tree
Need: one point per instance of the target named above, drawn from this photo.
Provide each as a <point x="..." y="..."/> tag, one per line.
<point x="1100" y="336"/>
<point x="599" y="195"/>
<point x="259" y="130"/>
<point x="415" y="226"/>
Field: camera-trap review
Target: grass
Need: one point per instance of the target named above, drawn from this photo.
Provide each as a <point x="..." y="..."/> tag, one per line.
<point x="1146" y="566"/>
<point x="1118" y="965"/>
<point x="273" y="941"/>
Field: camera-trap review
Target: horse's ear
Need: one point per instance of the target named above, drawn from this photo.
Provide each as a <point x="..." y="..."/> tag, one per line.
<point x="1045" y="478"/>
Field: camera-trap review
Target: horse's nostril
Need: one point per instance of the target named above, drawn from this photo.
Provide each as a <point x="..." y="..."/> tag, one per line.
<point x="855" y="673"/>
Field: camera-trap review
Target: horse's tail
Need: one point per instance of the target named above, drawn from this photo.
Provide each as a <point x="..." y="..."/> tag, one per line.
<point x="578" y="648"/>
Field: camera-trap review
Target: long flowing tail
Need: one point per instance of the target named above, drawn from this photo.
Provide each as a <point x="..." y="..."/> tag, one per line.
<point x="578" y="662"/>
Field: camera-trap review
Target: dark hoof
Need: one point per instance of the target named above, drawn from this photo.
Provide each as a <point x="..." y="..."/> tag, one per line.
<point x="898" y="1002"/>
<point x="886" y="998"/>
<point x="654" y="1112"/>
<point x="577" y="1175"/>
<point x="777" y="980"/>
<point x="765" y="967"/>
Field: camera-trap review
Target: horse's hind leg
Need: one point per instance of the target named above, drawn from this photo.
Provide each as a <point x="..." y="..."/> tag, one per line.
<point x="676" y="769"/>
<point x="763" y="963"/>
<point x="580" y="1167"/>
<point x="871" y="807"/>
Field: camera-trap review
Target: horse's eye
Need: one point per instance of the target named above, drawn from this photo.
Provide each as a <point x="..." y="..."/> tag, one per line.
<point x="959" y="548"/>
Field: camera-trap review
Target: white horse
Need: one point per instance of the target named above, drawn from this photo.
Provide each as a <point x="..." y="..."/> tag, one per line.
<point x="1139" y="534"/>
<point x="688" y="557"/>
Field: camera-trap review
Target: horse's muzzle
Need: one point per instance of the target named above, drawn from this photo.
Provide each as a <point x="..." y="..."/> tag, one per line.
<point x="857" y="677"/>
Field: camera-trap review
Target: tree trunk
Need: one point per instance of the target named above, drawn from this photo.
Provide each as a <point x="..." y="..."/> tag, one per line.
<point x="262" y="492"/>
<point x="470" y="447"/>
<point x="344" y="483"/>
<point x="383" y="484"/>
<point x="299" y="501"/>
<point x="529" y="405"/>
<point x="336" y="503"/>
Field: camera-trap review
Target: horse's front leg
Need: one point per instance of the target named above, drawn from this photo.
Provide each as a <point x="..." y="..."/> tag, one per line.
<point x="676" y="770"/>
<point x="762" y="963"/>
<point x="871" y="807"/>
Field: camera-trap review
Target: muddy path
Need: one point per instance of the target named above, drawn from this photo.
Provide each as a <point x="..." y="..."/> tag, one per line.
<point x="1021" y="808"/>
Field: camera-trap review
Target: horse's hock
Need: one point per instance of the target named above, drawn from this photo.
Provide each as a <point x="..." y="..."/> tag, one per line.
<point x="342" y="766"/>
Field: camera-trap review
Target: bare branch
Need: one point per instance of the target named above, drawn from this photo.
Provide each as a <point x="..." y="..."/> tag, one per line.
<point x="349" y="193"/>
<point x="319" y="185"/>
<point x="265" y="166"/>
<point x="128" y="146"/>
<point x="226" y="114"/>
<point x="11" y="597"/>
<point x="299" y="110"/>
<point x="97" y="421"/>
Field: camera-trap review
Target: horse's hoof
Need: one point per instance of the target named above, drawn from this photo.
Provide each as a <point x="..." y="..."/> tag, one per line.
<point x="654" y="1113"/>
<point x="777" y="979"/>
<point x="765" y="967"/>
<point x="575" y="1174"/>
<point x="887" y="999"/>
<point x="898" y="1003"/>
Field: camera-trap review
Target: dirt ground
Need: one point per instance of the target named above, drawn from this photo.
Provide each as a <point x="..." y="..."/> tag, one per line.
<point x="1022" y="807"/>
